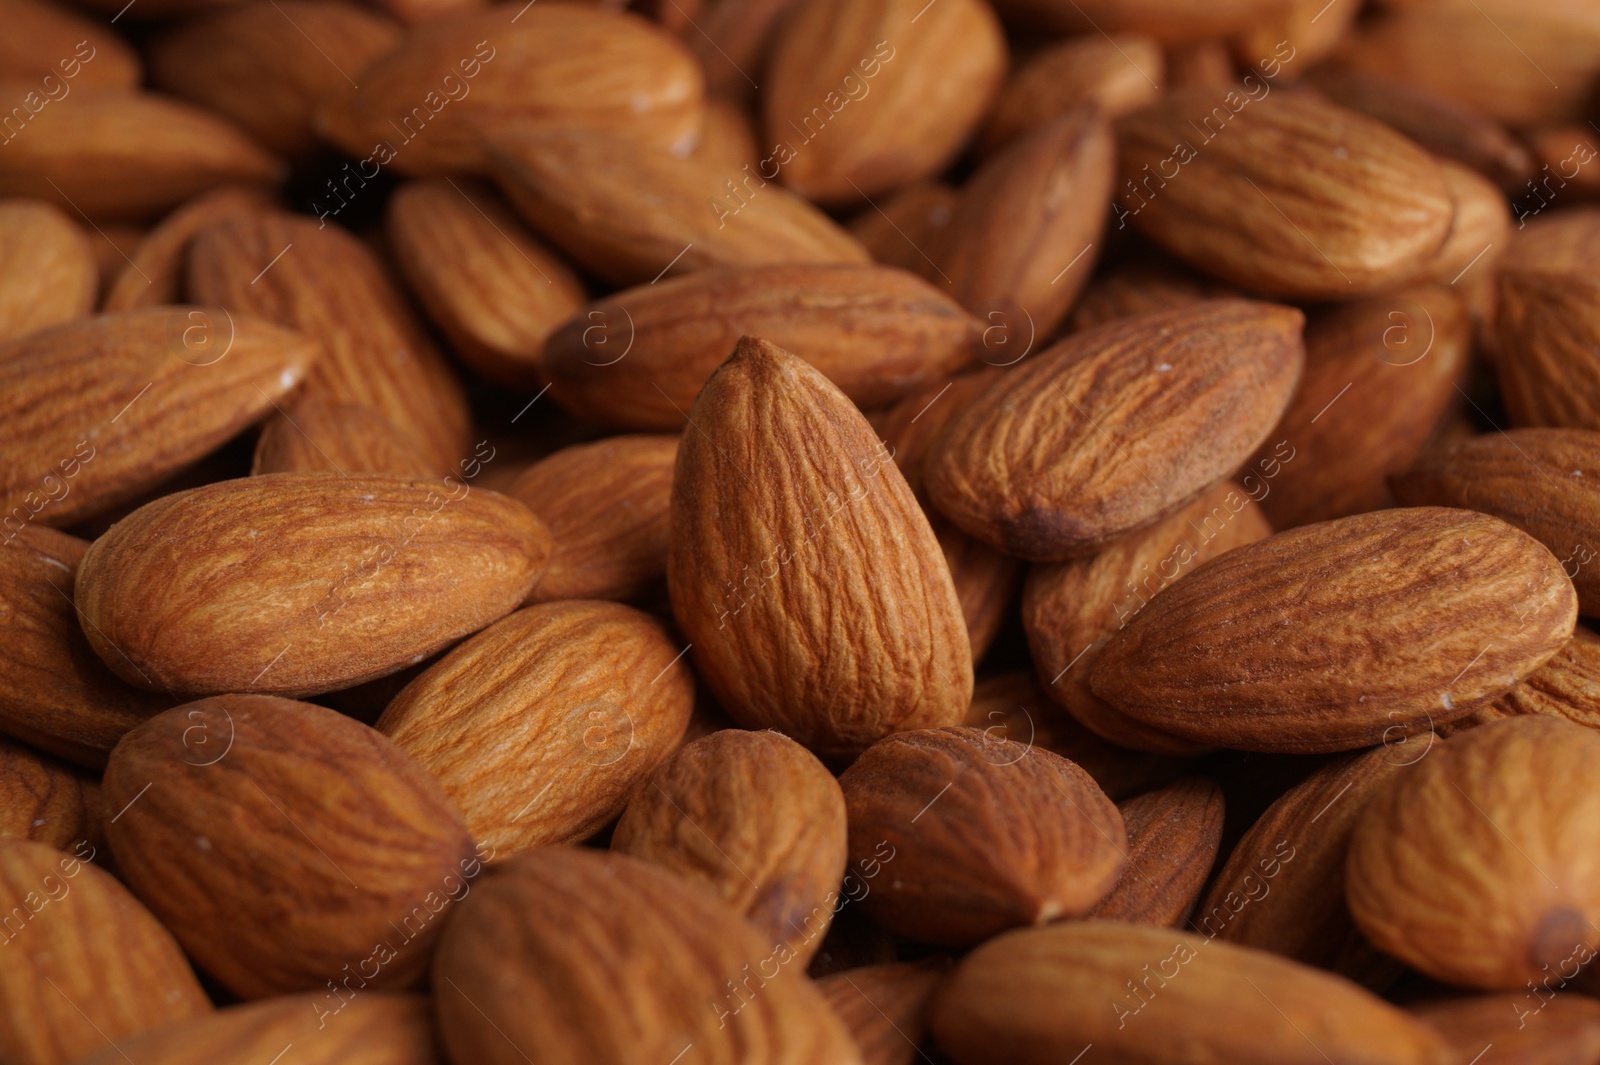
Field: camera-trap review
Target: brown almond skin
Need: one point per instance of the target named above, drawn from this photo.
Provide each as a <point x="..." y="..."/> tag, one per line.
<point x="325" y="435"/>
<point x="784" y="483"/>
<point x="608" y="506"/>
<point x="154" y="270"/>
<point x="929" y="76"/>
<point x="1421" y="614"/>
<point x="905" y="230"/>
<point x="86" y="964"/>
<point x="1479" y="233"/>
<point x="331" y="286"/>
<point x="1093" y="439"/>
<point x="55" y="692"/>
<point x="550" y="917"/>
<point x="98" y="410"/>
<point x="1546" y="323"/>
<point x="1567" y="685"/>
<point x="1038" y="996"/>
<point x="1120" y="74"/>
<point x="1540" y="480"/>
<point x="541" y="727"/>
<point x="282" y="841"/>
<point x="1070" y="610"/>
<point x="1509" y="854"/>
<point x="1021" y="836"/>
<point x="1141" y="287"/>
<point x="49" y="39"/>
<point x="296" y="583"/>
<point x="727" y="136"/>
<point x="886" y="1006"/>
<point x="1351" y="224"/>
<point x="47" y="801"/>
<point x="637" y="360"/>
<point x="489" y="285"/>
<point x="1174" y="834"/>
<point x="557" y="66"/>
<point x="632" y="216"/>
<point x="47" y="268"/>
<point x="372" y="1028"/>
<point x="1518" y="1028"/>
<point x="754" y="817"/>
<point x="1380" y="374"/>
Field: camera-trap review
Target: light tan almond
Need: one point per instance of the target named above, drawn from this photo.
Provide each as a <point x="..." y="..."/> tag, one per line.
<point x="47" y="268"/>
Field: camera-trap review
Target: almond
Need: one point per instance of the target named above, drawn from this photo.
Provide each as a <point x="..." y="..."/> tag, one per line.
<point x="1119" y="74"/>
<point x="727" y="136"/>
<point x="98" y="410"/>
<point x="728" y="37"/>
<point x="532" y="963"/>
<point x="1294" y="39"/>
<point x="425" y="106"/>
<point x="1168" y="20"/>
<point x="288" y="847"/>
<point x="864" y="96"/>
<point x="542" y="726"/>
<point x="1142" y="287"/>
<point x="489" y="285"/>
<point x="1568" y="685"/>
<point x="886" y="1006"/>
<point x="1496" y="1028"/>
<point x="86" y="965"/>
<point x="608" y="505"/>
<point x="801" y="567"/>
<point x="1173" y="837"/>
<point x="327" y="436"/>
<point x="757" y="819"/>
<point x="1511" y="880"/>
<point x="50" y="40"/>
<point x="638" y="359"/>
<point x="982" y="833"/>
<point x="1419" y="615"/>
<point x="1481" y="225"/>
<point x="905" y="230"/>
<point x="632" y="216"/>
<point x="47" y="801"/>
<point x="297" y="583"/>
<point x="1166" y="998"/>
<point x="1282" y="195"/>
<point x="47" y="268"/>
<point x="153" y="271"/>
<point x="1115" y="428"/>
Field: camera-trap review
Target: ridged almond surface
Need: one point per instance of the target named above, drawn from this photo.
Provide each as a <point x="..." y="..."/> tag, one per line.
<point x="47" y="268"/>
<point x="542" y="726"/>
<point x="864" y="96"/>
<point x="533" y="962"/>
<point x="327" y="436"/>
<point x="294" y="583"/>
<point x="282" y="842"/>
<point x="608" y="505"/>
<point x="326" y="283"/>
<point x="47" y="801"/>
<point x="117" y="155"/>
<point x="1159" y="997"/>
<point x="371" y="1028"/>
<point x="1342" y="634"/>
<point x="95" y="411"/>
<point x="1282" y="195"/>
<point x="1548" y="322"/>
<point x="1519" y="1029"/>
<point x="1070" y="610"/>
<point x="1171" y="21"/>
<point x="637" y="359"/>
<point x="427" y="104"/>
<point x="1116" y="427"/>
<point x="490" y="286"/>
<point x="1479" y="866"/>
<point x="801" y="567"/>
<point x="54" y="40"/>
<point x="1546" y="482"/>
<point x="85" y="966"/>
<point x="983" y="834"/>
<point x="1119" y="74"/>
<point x="754" y="817"/>
<point x="1568" y="685"/>
<point x="1174" y="834"/>
<point x="886" y="1006"/>
<point x="156" y="268"/>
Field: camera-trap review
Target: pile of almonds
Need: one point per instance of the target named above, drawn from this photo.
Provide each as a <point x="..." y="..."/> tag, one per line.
<point x="799" y="532"/>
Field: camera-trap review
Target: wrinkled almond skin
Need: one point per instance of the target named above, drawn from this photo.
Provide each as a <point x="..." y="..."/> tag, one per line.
<point x="325" y="435"/>
<point x="885" y="1006"/>
<point x="1281" y="195"/>
<point x="608" y="506"/>
<point x="86" y="966"/>
<point x="754" y="817"/>
<point x="1070" y="610"/>
<point x="802" y="569"/>
<point x="373" y="1028"/>
<point x="47" y="801"/>
<point x="1518" y="1028"/>
<point x="551" y="917"/>
<point x="924" y="80"/>
<point x="96" y="411"/>
<point x="979" y="834"/>
<point x="1174" y="834"/>
<point x="637" y="359"/>
<point x="1035" y="997"/>
<point x="631" y="216"/>
<point x="282" y="841"/>
<point x="1420" y="614"/>
<point x="47" y="268"/>
<point x="1119" y="74"/>
<point x="1546" y="482"/>
<point x="154" y="271"/>
<point x="1567" y="685"/>
<point x="541" y="727"/>
<point x="1547" y="324"/>
<point x="1508" y="860"/>
<point x="1114" y="428"/>
<point x="297" y="583"/>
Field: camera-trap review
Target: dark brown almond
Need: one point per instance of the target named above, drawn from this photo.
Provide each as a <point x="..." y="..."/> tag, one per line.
<point x="327" y="436"/>
<point x="1119" y="74"/>
<point x="47" y="801"/>
<point x="886" y="1006"/>
<point x="1174" y="834"/>
<point x="47" y="268"/>
<point x="50" y="40"/>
